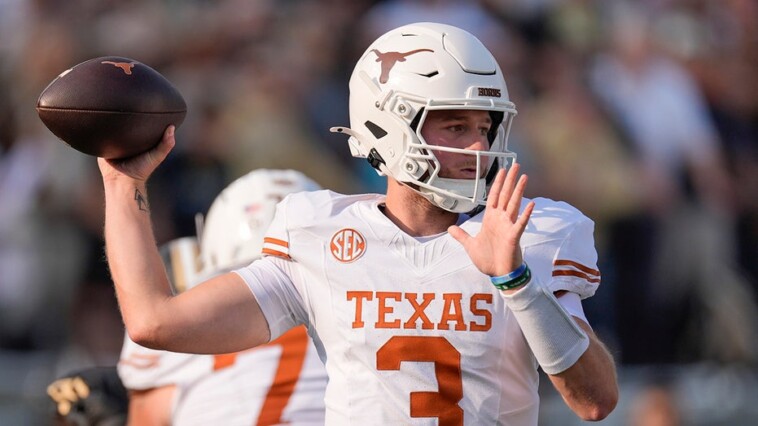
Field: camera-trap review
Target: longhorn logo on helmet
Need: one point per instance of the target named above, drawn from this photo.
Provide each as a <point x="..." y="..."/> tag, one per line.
<point x="389" y="59"/>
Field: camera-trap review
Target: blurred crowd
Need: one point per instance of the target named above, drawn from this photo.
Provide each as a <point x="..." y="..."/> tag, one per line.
<point x="643" y="114"/>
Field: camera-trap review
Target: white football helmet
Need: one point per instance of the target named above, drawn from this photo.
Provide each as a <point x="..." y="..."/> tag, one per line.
<point x="408" y="72"/>
<point x="232" y="233"/>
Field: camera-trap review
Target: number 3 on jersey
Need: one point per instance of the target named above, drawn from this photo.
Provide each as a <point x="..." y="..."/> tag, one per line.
<point x="447" y="368"/>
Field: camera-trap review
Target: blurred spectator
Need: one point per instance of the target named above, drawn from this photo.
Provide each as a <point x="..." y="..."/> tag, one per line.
<point x="657" y="104"/>
<point x="574" y="154"/>
<point x="50" y="236"/>
<point x="470" y="16"/>
<point x="41" y="250"/>
<point x="262" y="125"/>
<point x="701" y="34"/>
<point x="689" y="208"/>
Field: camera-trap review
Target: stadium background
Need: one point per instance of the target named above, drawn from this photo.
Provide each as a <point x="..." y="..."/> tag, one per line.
<point x="643" y="114"/>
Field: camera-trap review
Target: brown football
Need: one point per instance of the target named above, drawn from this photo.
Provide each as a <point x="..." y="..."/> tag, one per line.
<point x="111" y="107"/>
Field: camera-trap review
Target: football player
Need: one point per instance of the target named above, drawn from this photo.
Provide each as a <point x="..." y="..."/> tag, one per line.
<point x="277" y="383"/>
<point x="435" y="303"/>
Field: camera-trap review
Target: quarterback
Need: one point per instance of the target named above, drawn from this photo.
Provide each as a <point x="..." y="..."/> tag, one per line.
<point x="435" y="303"/>
<point x="281" y="382"/>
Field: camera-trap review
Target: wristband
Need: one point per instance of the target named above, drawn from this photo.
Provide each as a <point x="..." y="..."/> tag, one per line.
<point x="521" y="276"/>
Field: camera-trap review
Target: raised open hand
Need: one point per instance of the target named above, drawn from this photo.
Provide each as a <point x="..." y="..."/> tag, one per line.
<point x="495" y="250"/>
<point x="139" y="167"/>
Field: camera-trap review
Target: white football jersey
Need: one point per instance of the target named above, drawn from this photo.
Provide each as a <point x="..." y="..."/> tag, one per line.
<point x="281" y="382"/>
<point x="411" y="332"/>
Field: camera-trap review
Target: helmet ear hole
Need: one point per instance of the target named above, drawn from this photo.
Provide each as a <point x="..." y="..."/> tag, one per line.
<point x="375" y="130"/>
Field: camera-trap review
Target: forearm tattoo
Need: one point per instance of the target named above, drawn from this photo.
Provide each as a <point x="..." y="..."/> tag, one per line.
<point x="141" y="200"/>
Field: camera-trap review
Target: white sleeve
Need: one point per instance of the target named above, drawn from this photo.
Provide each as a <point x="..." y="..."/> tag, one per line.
<point x="281" y="304"/>
<point x="270" y="278"/>
<point x="277" y="239"/>
<point x="575" y="262"/>
<point x="572" y="303"/>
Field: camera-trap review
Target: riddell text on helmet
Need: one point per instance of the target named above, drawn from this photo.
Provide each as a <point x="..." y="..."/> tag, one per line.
<point x="488" y="91"/>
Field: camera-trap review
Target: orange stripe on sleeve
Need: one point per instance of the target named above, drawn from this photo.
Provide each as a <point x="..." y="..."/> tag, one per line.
<point x="276" y="241"/>
<point x="577" y="274"/>
<point x="579" y="266"/>
<point x="275" y="253"/>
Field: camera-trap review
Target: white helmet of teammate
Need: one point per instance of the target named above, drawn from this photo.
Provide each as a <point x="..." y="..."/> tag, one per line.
<point x="408" y="72"/>
<point x="232" y="233"/>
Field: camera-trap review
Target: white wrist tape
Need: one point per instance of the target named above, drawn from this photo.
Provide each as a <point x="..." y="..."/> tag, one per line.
<point x="555" y="338"/>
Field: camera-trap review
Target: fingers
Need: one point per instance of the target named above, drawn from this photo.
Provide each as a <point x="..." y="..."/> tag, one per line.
<point x="497" y="186"/>
<point x="510" y="180"/>
<point x="159" y="153"/>
<point x="169" y="132"/>
<point x="507" y="191"/>
<point x="514" y="204"/>
<point x="167" y="143"/>
<point x="141" y="166"/>
<point x="522" y="220"/>
<point x="459" y="234"/>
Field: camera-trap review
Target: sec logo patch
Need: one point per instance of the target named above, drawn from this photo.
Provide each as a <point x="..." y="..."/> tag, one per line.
<point x="347" y="245"/>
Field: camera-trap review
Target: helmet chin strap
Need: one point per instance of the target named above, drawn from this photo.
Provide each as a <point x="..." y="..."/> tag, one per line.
<point x="454" y="199"/>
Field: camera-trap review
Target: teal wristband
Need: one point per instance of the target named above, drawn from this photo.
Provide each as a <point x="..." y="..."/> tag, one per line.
<point x="509" y="276"/>
<point x="521" y="276"/>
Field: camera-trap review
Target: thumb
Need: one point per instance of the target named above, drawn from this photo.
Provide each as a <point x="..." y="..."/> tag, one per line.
<point x="167" y="144"/>
<point x="459" y="234"/>
<point x="157" y="154"/>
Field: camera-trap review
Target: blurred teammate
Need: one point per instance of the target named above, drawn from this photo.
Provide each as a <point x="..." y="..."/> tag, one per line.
<point x="426" y="307"/>
<point x="281" y="382"/>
